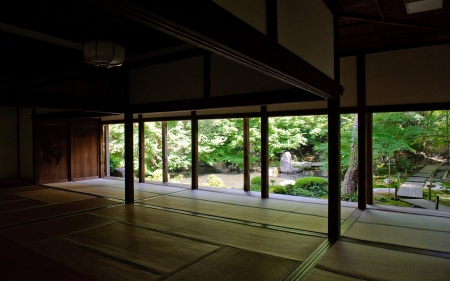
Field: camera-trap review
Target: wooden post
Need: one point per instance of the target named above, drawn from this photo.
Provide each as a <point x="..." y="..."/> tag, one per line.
<point x="264" y="153"/>
<point x="362" y="130"/>
<point x="141" y="145"/>
<point x="101" y="151"/>
<point x="70" y="154"/>
<point x="194" y="150"/>
<point x="129" y="161"/>
<point x="369" y="158"/>
<point x="334" y="170"/>
<point x="165" y="166"/>
<point x="107" y="164"/>
<point x="246" y="126"/>
<point x="436" y="206"/>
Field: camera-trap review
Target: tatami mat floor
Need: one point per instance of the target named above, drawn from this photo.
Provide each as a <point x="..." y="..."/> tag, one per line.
<point x="84" y="231"/>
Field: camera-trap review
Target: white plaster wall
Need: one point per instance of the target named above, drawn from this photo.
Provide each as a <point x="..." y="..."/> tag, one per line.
<point x="177" y="80"/>
<point x="26" y="143"/>
<point x="8" y="143"/>
<point x="305" y="27"/>
<point x="252" y="12"/>
<point x="229" y="78"/>
<point x="349" y="82"/>
<point x="413" y="76"/>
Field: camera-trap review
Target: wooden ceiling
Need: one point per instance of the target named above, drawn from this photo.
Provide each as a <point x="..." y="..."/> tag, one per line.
<point x="367" y="26"/>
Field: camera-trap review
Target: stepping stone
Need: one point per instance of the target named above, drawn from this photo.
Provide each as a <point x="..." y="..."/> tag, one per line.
<point x="411" y="189"/>
<point x="421" y="174"/>
<point x="417" y="179"/>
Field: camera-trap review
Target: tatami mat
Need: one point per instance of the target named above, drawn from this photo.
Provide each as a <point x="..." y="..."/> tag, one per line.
<point x="90" y="263"/>
<point x="52" y="210"/>
<point x="262" y="240"/>
<point x="34" y="232"/>
<point x="116" y="193"/>
<point x="373" y="263"/>
<point x="21" y="189"/>
<point x="10" y="198"/>
<point x="53" y="196"/>
<point x="20" y="263"/>
<point x="322" y="275"/>
<point x="151" y="249"/>
<point x="416" y="238"/>
<point x="235" y="264"/>
<point x="405" y="220"/>
<point x="18" y="205"/>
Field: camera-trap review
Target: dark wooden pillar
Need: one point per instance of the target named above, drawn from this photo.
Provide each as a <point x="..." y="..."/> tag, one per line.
<point x="264" y="153"/>
<point x="70" y="154"/>
<point x="101" y="151"/>
<point x="107" y="164"/>
<point x="246" y="126"/>
<point x="165" y="160"/>
<point x="362" y="164"/>
<point x="141" y="146"/>
<point x="369" y="158"/>
<point x="194" y="150"/>
<point x="334" y="170"/>
<point x="129" y="161"/>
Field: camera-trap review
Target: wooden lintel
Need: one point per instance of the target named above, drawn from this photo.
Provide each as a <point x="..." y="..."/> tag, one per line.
<point x="185" y="54"/>
<point x="65" y="115"/>
<point x="240" y="100"/>
<point x="209" y="26"/>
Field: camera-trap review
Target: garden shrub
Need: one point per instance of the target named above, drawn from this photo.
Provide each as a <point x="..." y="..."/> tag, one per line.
<point x="214" y="181"/>
<point x="255" y="183"/>
<point x="157" y="175"/>
<point x="278" y="189"/>
<point x="315" y="186"/>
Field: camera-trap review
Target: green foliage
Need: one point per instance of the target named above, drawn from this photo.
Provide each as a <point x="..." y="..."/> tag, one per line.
<point x="256" y="180"/>
<point x="157" y="175"/>
<point x="278" y="189"/>
<point x="353" y="197"/>
<point x="115" y="162"/>
<point x="308" y="187"/>
<point x="214" y="181"/>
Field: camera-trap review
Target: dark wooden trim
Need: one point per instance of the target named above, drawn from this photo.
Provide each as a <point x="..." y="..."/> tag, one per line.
<point x="101" y="151"/>
<point x="408" y="107"/>
<point x="369" y="158"/>
<point x="165" y="159"/>
<point x="361" y="101"/>
<point x="18" y="140"/>
<point x="334" y="170"/>
<point x="107" y="158"/>
<point x="129" y="161"/>
<point x="36" y="178"/>
<point x="272" y="19"/>
<point x="336" y="55"/>
<point x="201" y="24"/>
<point x="239" y="100"/>
<point x="68" y="115"/>
<point x="181" y="55"/>
<point x="207" y="76"/>
<point x="141" y="145"/>
<point x="246" y="128"/>
<point x="194" y="150"/>
<point x="70" y="154"/>
<point x="264" y="153"/>
<point x="32" y="99"/>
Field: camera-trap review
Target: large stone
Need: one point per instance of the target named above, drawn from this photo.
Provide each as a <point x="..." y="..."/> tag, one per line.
<point x="286" y="163"/>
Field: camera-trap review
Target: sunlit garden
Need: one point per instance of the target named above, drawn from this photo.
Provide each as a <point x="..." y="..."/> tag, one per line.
<point x="403" y="143"/>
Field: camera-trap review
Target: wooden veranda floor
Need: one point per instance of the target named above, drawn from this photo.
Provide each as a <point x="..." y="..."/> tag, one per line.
<point x="83" y="231"/>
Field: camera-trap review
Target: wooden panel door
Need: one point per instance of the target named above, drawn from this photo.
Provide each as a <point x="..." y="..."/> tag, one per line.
<point x="52" y="152"/>
<point x="85" y="150"/>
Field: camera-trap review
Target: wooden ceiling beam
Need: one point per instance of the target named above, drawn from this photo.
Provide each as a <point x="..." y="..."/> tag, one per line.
<point x="391" y="22"/>
<point x="238" y="100"/>
<point x="207" y="25"/>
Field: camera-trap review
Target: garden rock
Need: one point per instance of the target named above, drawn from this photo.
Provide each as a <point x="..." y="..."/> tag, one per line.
<point x="286" y="163"/>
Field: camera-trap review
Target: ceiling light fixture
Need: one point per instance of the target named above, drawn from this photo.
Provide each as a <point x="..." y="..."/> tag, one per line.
<point x="418" y="6"/>
<point x="103" y="53"/>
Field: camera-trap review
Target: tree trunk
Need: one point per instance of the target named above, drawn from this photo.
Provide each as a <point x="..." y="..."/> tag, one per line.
<point x="350" y="184"/>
